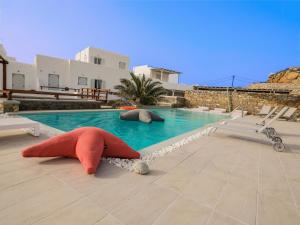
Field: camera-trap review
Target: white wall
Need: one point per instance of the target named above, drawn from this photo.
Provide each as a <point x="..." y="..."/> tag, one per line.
<point x="174" y="86"/>
<point x="109" y="59"/>
<point x="140" y="70"/>
<point x="173" y="78"/>
<point x="172" y="82"/>
<point x="46" y="65"/>
<point x="20" y="68"/>
<point x="110" y="76"/>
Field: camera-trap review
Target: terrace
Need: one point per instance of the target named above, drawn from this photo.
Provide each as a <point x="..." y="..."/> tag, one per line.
<point x="218" y="179"/>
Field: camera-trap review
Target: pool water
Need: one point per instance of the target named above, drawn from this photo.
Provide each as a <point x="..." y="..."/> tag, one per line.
<point x="136" y="134"/>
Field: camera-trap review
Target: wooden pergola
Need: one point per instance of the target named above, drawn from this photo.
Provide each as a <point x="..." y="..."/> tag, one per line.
<point x="4" y="80"/>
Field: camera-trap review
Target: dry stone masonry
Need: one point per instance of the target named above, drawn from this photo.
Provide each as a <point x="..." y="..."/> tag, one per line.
<point x="249" y="101"/>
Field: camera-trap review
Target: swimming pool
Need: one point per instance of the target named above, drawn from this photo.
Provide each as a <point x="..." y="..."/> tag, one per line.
<point x="136" y="134"/>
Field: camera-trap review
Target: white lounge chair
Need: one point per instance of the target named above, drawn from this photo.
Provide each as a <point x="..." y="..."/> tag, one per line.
<point x="20" y="123"/>
<point x="263" y="120"/>
<point x="268" y="131"/>
<point x="289" y="113"/>
<point x="238" y="113"/>
<point x="265" y="110"/>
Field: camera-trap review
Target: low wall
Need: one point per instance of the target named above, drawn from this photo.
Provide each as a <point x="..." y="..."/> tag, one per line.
<point x="249" y="101"/>
<point x="26" y="105"/>
<point x="172" y="101"/>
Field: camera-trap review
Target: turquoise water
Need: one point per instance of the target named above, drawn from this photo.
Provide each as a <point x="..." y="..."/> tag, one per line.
<point x="136" y="134"/>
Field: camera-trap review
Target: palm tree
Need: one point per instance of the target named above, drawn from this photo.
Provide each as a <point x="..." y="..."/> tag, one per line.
<point x="140" y="89"/>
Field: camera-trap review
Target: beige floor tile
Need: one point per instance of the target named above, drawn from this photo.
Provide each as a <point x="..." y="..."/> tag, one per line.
<point x="20" y="192"/>
<point x="205" y="189"/>
<point x="184" y="211"/>
<point x="11" y="157"/>
<point x="176" y="179"/>
<point x="109" y="220"/>
<point x="81" y="212"/>
<point x="109" y="194"/>
<point x="38" y="207"/>
<point x="219" y="219"/>
<point x="274" y="212"/>
<point x="144" y="206"/>
<point x="295" y="188"/>
<point x="277" y="188"/>
<point x="292" y="168"/>
<point x="14" y="165"/>
<point x="19" y="176"/>
<point x="239" y="202"/>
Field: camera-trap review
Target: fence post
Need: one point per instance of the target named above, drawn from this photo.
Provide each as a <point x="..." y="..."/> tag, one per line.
<point x="229" y="100"/>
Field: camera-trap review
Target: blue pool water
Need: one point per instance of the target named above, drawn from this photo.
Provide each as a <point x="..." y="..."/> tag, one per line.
<point x="136" y="134"/>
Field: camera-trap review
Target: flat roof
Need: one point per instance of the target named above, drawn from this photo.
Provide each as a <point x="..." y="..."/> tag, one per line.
<point x="164" y="69"/>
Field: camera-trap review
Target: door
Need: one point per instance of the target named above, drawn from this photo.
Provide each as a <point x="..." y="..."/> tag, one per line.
<point x="18" y="81"/>
<point x="98" y="84"/>
<point x="53" y="81"/>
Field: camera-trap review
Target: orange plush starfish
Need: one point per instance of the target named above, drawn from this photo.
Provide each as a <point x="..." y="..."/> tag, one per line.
<point x="88" y="144"/>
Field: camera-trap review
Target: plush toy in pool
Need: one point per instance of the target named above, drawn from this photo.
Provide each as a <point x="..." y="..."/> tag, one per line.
<point x="88" y="144"/>
<point x="141" y="115"/>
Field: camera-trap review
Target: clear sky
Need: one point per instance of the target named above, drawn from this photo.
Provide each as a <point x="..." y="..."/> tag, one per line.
<point x="207" y="41"/>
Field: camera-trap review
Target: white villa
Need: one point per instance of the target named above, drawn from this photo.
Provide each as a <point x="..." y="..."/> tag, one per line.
<point x="92" y="68"/>
<point x="168" y="78"/>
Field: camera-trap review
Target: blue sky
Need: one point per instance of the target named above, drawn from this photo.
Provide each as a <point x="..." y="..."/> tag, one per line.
<point x="208" y="41"/>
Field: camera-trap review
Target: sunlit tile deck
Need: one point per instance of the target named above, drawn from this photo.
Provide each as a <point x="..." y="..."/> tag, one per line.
<point x="215" y="180"/>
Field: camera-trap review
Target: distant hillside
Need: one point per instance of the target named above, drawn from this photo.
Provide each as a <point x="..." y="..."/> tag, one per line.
<point x="284" y="79"/>
<point x="289" y="75"/>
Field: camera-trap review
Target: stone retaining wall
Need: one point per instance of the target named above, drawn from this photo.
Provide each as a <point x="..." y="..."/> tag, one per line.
<point x="249" y="101"/>
<point x="26" y="105"/>
<point x="172" y="101"/>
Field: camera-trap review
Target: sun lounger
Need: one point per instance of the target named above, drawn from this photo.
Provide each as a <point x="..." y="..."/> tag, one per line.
<point x="289" y="113"/>
<point x="264" y="110"/>
<point x="263" y="120"/>
<point x="238" y="113"/>
<point x="268" y="131"/>
<point x="20" y="123"/>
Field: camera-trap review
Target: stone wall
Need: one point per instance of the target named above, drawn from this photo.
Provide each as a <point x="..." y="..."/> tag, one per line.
<point x="175" y="101"/>
<point x="295" y="88"/>
<point x="9" y="106"/>
<point x="249" y="101"/>
<point x="26" y="105"/>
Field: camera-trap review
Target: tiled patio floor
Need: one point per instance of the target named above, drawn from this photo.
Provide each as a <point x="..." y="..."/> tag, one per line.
<point x="216" y="180"/>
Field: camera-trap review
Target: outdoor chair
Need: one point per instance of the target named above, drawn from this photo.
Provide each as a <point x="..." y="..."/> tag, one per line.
<point x="266" y="130"/>
<point x="289" y="113"/>
<point x="264" y="110"/>
<point x="20" y="123"/>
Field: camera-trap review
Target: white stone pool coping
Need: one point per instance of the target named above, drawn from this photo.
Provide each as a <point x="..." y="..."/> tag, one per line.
<point x="148" y="154"/>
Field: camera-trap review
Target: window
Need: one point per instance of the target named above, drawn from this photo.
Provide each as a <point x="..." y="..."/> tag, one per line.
<point x="158" y="76"/>
<point x="122" y="65"/>
<point x="97" y="60"/>
<point x="82" y="80"/>
<point x="53" y="81"/>
<point x="18" y="81"/>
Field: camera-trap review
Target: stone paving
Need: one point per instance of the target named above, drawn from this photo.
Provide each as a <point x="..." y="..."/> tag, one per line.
<point x="223" y="179"/>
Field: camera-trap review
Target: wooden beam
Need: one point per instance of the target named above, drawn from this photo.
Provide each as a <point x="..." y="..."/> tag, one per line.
<point x="4" y="76"/>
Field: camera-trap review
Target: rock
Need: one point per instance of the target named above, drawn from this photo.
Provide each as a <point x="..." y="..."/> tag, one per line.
<point x="140" y="115"/>
<point x="141" y="167"/>
<point x="289" y="75"/>
<point x="145" y="116"/>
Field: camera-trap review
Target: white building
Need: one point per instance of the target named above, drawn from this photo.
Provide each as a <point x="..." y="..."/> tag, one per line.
<point x="92" y="68"/>
<point x="168" y="78"/>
